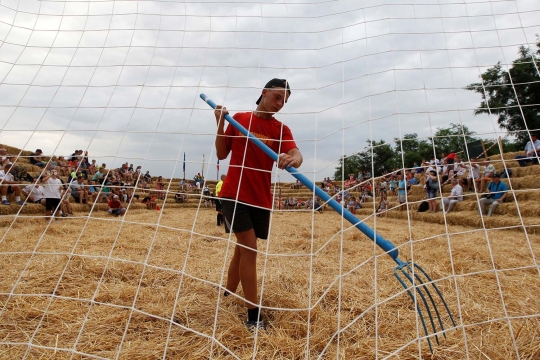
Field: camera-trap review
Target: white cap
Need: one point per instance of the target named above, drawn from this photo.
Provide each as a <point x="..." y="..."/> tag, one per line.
<point x="115" y="197"/>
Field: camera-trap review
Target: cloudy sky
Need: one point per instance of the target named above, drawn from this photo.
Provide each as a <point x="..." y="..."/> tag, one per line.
<point x="121" y="79"/>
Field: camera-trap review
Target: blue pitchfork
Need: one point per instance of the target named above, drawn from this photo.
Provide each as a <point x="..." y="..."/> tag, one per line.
<point x="405" y="272"/>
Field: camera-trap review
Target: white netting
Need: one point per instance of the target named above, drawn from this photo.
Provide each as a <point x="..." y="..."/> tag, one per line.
<point x="121" y="80"/>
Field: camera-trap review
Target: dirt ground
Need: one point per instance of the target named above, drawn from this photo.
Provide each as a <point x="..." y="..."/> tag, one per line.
<point x="149" y="287"/>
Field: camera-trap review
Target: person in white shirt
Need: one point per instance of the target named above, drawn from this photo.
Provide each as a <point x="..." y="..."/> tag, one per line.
<point x="473" y="173"/>
<point x="456" y="195"/>
<point x="35" y="193"/>
<point x="489" y="170"/>
<point x="9" y="186"/>
<point x="532" y="151"/>
<point x="52" y="188"/>
<point x="79" y="191"/>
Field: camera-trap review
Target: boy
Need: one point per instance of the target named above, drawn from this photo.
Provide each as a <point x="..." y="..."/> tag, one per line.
<point x="115" y="206"/>
<point x="246" y="190"/>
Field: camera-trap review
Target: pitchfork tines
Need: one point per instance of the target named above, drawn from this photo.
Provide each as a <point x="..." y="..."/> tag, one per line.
<point x="426" y="296"/>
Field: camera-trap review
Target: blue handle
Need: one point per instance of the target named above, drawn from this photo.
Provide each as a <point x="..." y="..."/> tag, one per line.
<point x="384" y="244"/>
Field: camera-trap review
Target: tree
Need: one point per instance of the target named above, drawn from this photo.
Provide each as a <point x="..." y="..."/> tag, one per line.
<point x="452" y="139"/>
<point x="412" y="150"/>
<point x="352" y="166"/>
<point x="516" y="106"/>
<point x="384" y="158"/>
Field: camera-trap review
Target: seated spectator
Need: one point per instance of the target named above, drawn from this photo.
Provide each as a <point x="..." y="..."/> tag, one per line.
<point x="19" y="171"/>
<point x="487" y="174"/>
<point x="98" y="175"/>
<point x="292" y="203"/>
<point x="496" y="194"/>
<point x="456" y="195"/>
<point x="472" y="175"/>
<point x="115" y="206"/>
<point x="34" y="193"/>
<point x="351" y="205"/>
<point x="92" y="168"/>
<point x="180" y="197"/>
<point x="383" y="205"/>
<point x="150" y="202"/>
<point x="65" y="205"/>
<point x="9" y="186"/>
<point x="36" y="160"/>
<point x="147" y="177"/>
<point x="79" y="190"/>
<point x="62" y="166"/>
<point x="532" y="151"/>
<point x="318" y="206"/>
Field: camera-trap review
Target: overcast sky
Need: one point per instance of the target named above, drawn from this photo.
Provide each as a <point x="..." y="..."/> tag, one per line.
<point x="121" y="79"/>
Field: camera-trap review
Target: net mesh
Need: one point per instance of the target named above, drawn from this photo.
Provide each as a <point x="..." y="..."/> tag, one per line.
<point x="120" y="81"/>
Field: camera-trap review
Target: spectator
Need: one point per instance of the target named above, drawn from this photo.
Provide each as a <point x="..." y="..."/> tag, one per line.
<point x="52" y="188"/>
<point x="35" y="159"/>
<point x="150" y="202"/>
<point x="19" y="171"/>
<point x="496" y="194"/>
<point x="98" y="175"/>
<point x="160" y="188"/>
<point x="393" y="184"/>
<point x="65" y="205"/>
<point x="62" y="166"/>
<point x="9" y="186"/>
<point x="180" y="197"/>
<point x="351" y="205"/>
<point x="432" y="187"/>
<point x="79" y="191"/>
<point x="456" y="195"/>
<point x="472" y="175"/>
<point x="293" y="203"/>
<point x="532" y="151"/>
<point x="487" y="174"/>
<point x="115" y="206"/>
<point x="402" y="191"/>
<point x="148" y="177"/>
<point x="383" y="205"/>
<point x="34" y="193"/>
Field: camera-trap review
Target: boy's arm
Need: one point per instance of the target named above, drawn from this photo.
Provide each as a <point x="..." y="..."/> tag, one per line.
<point x="292" y="158"/>
<point x="222" y="150"/>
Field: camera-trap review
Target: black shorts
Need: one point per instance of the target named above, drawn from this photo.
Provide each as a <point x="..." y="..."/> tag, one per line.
<point x="246" y="217"/>
<point x="218" y="205"/>
<point x="51" y="203"/>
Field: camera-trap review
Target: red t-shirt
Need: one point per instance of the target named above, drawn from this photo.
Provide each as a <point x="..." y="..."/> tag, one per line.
<point x="113" y="204"/>
<point x="249" y="178"/>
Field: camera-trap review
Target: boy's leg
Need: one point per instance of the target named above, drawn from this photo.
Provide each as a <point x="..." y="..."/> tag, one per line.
<point x="243" y="266"/>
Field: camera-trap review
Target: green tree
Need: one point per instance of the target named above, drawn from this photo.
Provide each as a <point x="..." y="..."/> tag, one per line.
<point x="516" y="106"/>
<point x="352" y="166"/>
<point x="384" y="158"/>
<point x="412" y="150"/>
<point x="452" y="139"/>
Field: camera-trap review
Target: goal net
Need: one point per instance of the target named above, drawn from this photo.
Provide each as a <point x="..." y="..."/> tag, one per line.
<point x="129" y="261"/>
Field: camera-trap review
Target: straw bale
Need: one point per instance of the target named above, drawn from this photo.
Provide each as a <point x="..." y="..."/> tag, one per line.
<point x="166" y="276"/>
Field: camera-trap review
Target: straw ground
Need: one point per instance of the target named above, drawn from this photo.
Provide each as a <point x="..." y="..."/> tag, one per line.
<point x="102" y="288"/>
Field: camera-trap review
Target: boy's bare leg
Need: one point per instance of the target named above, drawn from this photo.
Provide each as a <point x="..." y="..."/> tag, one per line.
<point x="243" y="266"/>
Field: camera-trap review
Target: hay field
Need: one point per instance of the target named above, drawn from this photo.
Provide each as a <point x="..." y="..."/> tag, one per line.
<point x="135" y="290"/>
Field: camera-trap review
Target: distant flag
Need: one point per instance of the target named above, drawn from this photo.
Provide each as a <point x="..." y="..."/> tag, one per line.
<point x="184" y="165"/>
<point x="217" y="165"/>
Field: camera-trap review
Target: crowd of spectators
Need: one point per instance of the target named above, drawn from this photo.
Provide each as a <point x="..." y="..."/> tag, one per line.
<point x="88" y="182"/>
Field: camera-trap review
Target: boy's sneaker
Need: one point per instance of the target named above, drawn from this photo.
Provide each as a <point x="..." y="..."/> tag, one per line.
<point x="5" y="202"/>
<point x="21" y="203"/>
<point x="254" y="325"/>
